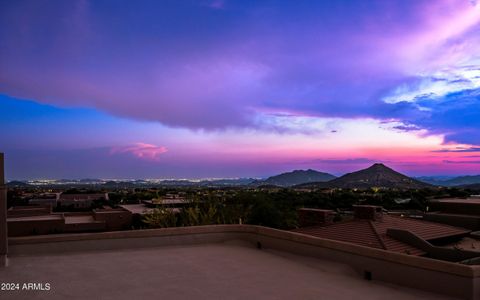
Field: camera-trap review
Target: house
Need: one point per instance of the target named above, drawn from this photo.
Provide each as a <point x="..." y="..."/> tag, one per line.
<point x="33" y="220"/>
<point x="372" y="227"/>
<point x="81" y="200"/>
<point x="462" y="212"/>
<point x="45" y="199"/>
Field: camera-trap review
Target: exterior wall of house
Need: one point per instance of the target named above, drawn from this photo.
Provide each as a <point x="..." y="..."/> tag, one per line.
<point x="456" y="207"/>
<point x="115" y="219"/>
<point x="30" y="220"/>
<point x="84" y="227"/>
<point x="20" y="227"/>
<point x="369" y="212"/>
<point x="52" y="202"/>
<point x="81" y="203"/>
<point x="466" y="221"/>
<point x="82" y="222"/>
<point x="28" y="211"/>
<point x="312" y="217"/>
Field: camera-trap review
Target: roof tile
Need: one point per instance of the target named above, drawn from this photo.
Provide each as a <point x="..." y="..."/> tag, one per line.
<point x="373" y="233"/>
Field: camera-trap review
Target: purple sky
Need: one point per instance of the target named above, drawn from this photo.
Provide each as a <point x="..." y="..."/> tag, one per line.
<point x="154" y="89"/>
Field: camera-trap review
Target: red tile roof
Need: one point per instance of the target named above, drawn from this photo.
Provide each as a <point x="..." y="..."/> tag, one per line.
<point x="356" y="231"/>
<point x="373" y="233"/>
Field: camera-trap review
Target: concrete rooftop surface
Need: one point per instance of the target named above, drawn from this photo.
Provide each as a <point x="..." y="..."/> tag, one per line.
<point x="230" y="270"/>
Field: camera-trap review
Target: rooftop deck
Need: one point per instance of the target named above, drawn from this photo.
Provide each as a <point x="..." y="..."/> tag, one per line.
<point x="232" y="270"/>
<point x="223" y="261"/>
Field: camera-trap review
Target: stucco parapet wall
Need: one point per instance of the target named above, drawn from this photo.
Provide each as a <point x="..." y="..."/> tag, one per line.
<point x="258" y="232"/>
<point x="172" y="231"/>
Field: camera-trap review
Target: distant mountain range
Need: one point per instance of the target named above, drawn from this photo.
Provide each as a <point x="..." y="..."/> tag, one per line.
<point x="295" y="177"/>
<point x="378" y="175"/>
<point x="455" y="181"/>
<point x="17" y="184"/>
<point x="80" y="183"/>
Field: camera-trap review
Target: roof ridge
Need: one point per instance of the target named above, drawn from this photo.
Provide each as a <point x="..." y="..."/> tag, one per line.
<point x="379" y="237"/>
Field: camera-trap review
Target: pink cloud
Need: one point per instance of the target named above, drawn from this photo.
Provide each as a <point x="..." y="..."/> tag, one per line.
<point x="142" y="151"/>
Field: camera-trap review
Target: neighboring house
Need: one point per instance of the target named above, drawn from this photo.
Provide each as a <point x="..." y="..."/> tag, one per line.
<point x="52" y="202"/>
<point x="455" y="211"/>
<point x="49" y="199"/>
<point x="371" y="227"/>
<point x="30" y="220"/>
<point x="81" y="200"/>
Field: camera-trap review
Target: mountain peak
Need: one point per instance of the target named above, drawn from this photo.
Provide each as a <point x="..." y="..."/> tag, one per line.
<point x="377" y="175"/>
<point x="298" y="177"/>
<point x="379" y="165"/>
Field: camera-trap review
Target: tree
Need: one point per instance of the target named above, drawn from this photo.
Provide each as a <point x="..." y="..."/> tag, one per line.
<point x="265" y="213"/>
<point x="161" y="217"/>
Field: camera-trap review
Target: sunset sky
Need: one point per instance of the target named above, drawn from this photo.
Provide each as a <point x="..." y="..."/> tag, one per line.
<point x="189" y="89"/>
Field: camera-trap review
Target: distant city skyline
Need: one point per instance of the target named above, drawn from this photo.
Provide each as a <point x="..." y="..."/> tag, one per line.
<point x="197" y="89"/>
